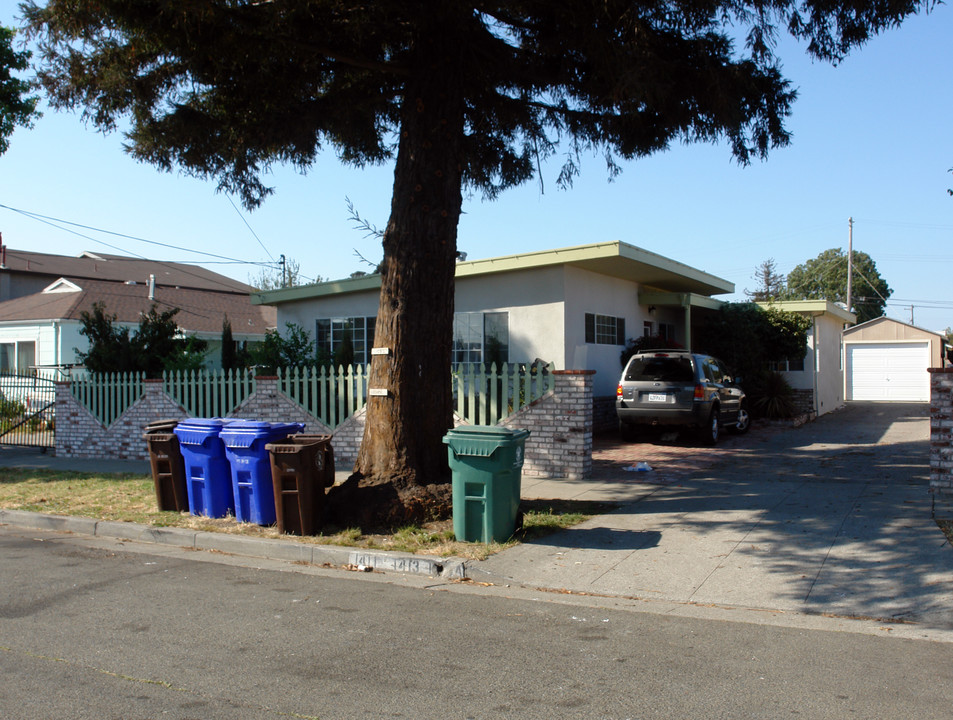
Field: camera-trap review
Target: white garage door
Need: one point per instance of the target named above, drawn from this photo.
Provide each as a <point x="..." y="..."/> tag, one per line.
<point x="889" y="371"/>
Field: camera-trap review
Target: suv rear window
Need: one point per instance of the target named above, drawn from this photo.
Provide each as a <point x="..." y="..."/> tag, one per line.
<point x="664" y="369"/>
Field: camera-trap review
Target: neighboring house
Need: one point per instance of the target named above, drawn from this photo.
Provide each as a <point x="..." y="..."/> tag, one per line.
<point x="45" y="296"/>
<point x="887" y="360"/>
<point x="818" y="377"/>
<point x="575" y="307"/>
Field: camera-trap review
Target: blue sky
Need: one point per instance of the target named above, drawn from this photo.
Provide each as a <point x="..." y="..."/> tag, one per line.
<point x="871" y="140"/>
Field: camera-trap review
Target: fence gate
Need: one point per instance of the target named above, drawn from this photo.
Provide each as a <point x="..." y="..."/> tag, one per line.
<point x="27" y="411"/>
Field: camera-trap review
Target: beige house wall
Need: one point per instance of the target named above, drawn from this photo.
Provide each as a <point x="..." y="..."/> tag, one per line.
<point x="827" y="358"/>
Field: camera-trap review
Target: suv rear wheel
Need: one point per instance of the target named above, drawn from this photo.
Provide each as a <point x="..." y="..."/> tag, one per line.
<point x="708" y="433"/>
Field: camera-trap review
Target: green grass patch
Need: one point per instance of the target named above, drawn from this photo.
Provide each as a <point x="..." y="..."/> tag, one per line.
<point x="131" y="498"/>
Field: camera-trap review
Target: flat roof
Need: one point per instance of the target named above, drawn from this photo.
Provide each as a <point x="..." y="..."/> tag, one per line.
<point x="615" y="259"/>
<point x="813" y="307"/>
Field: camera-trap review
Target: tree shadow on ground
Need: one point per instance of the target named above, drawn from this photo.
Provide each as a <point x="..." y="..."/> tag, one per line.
<point x="840" y="509"/>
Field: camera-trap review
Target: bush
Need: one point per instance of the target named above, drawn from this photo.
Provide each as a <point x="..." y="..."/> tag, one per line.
<point x="774" y="399"/>
<point x="10" y="408"/>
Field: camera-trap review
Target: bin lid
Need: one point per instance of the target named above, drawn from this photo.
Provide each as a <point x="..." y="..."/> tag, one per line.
<point x="195" y="431"/>
<point x="244" y="433"/>
<point x="163" y="425"/>
<point x="482" y="440"/>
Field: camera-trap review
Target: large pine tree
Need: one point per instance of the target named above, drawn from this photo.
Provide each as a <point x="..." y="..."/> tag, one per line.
<point x="465" y="94"/>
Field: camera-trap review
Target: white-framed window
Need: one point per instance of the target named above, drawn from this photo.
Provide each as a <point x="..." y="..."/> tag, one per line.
<point x="333" y="334"/>
<point x="18" y="356"/>
<point x="481" y="337"/>
<point x="605" y="329"/>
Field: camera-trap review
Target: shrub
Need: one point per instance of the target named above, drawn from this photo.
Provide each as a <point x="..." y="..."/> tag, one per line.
<point x="774" y="399"/>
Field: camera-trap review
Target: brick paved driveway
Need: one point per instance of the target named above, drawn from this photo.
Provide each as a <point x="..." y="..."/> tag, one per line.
<point x="672" y="455"/>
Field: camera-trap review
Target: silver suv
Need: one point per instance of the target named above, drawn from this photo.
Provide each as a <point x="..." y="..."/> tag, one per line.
<point x="680" y="388"/>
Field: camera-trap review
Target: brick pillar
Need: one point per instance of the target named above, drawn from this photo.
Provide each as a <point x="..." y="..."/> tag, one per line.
<point x="941" y="430"/>
<point x="560" y="425"/>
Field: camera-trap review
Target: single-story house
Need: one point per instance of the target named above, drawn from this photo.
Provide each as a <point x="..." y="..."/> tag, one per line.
<point x="818" y="377"/>
<point x="575" y="307"/>
<point x="887" y="360"/>
<point x="39" y="328"/>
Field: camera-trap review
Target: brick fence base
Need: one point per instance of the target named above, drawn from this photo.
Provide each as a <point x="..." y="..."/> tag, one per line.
<point x="559" y="445"/>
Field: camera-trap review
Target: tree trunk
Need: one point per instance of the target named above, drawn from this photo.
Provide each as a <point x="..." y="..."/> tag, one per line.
<point x="401" y="472"/>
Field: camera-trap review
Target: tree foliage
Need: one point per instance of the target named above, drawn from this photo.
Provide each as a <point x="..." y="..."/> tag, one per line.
<point x="293" y="349"/>
<point x="156" y="345"/>
<point x="770" y="283"/>
<point x="466" y="96"/>
<point x="16" y="107"/>
<point x="748" y="338"/>
<point x="825" y="278"/>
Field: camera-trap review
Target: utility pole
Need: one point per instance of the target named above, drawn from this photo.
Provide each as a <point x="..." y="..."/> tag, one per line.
<point x="284" y="275"/>
<point x="850" y="261"/>
<point x="911" y="316"/>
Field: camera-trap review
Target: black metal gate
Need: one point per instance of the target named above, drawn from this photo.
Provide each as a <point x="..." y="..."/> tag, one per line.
<point x="27" y="411"/>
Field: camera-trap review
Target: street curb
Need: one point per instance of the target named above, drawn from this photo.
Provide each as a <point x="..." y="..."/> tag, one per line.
<point x="286" y="550"/>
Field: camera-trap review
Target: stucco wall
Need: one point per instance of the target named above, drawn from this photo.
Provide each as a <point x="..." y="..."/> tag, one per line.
<point x="588" y="292"/>
<point x="533" y="300"/>
<point x="546" y="308"/>
<point x="305" y="312"/>
<point x="828" y="365"/>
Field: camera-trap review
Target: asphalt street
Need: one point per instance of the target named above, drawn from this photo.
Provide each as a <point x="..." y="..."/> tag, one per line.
<point x="101" y="629"/>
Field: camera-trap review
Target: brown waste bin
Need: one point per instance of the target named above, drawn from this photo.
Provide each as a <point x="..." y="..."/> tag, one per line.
<point x="168" y="467"/>
<point x="302" y="467"/>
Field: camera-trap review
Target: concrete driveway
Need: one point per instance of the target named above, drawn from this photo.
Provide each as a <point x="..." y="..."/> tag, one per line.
<point x="833" y="518"/>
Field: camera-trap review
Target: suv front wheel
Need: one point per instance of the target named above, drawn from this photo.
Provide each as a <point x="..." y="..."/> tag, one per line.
<point x="743" y="421"/>
<point x="708" y="433"/>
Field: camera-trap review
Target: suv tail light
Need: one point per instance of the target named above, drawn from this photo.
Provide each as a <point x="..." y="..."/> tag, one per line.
<point x="699" y="392"/>
<point x="618" y="390"/>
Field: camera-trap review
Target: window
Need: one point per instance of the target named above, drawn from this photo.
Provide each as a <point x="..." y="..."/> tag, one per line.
<point x="661" y="368"/>
<point x="333" y="335"/>
<point x="17" y="357"/>
<point x="605" y="329"/>
<point x="648" y="329"/>
<point x="666" y="330"/>
<point x="481" y="338"/>
<point x="789" y="365"/>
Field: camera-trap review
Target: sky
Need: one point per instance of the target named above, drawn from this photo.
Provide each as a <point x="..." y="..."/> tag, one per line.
<point x="871" y="141"/>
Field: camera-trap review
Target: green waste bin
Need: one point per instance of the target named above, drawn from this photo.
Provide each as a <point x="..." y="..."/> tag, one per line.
<point x="486" y="463"/>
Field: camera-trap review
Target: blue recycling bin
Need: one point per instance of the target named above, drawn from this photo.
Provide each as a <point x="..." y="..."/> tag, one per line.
<point x="208" y="480"/>
<point x="250" y="463"/>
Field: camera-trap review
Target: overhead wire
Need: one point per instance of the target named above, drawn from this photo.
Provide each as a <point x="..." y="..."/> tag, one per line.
<point x="52" y="222"/>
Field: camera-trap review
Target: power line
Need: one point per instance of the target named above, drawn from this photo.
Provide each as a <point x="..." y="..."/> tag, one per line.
<point x="52" y="221"/>
<point x="254" y="234"/>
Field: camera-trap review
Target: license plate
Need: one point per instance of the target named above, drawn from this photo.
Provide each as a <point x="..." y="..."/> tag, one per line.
<point x="658" y="397"/>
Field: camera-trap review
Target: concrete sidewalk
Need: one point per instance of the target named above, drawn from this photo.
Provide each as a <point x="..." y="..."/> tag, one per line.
<point x="834" y="518"/>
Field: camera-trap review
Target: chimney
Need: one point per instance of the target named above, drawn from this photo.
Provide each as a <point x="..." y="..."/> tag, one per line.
<point x="152" y="287"/>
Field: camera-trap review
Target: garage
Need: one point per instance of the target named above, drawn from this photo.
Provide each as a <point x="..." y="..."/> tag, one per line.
<point x="886" y="360"/>
<point x="888" y="371"/>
